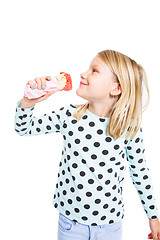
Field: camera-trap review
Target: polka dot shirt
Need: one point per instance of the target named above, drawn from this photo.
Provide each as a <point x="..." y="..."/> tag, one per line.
<point x="91" y="171"/>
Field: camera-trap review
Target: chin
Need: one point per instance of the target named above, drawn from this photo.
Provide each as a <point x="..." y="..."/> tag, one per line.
<point x="77" y="92"/>
<point x="80" y="95"/>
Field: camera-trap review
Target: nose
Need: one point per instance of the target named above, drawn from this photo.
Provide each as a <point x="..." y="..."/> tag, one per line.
<point x="83" y="75"/>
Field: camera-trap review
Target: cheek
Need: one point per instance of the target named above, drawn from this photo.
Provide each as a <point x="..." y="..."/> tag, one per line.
<point x="97" y="92"/>
<point x="100" y="89"/>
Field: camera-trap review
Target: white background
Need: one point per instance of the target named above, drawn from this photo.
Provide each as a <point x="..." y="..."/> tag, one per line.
<point x="41" y="38"/>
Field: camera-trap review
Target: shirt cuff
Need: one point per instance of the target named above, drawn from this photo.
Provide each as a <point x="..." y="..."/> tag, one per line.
<point x="24" y="109"/>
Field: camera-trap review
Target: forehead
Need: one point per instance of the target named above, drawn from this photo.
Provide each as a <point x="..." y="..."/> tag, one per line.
<point x="97" y="62"/>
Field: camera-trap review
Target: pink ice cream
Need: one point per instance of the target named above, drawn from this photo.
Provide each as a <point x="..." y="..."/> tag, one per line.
<point x="58" y="83"/>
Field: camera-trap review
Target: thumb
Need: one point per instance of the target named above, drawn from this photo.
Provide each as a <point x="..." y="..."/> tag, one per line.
<point x="50" y="93"/>
<point x="44" y="97"/>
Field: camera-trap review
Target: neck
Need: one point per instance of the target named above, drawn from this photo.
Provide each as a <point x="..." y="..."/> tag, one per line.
<point x="101" y="109"/>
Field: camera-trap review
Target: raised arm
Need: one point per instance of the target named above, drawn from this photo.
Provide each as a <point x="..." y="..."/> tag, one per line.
<point x="26" y="124"/>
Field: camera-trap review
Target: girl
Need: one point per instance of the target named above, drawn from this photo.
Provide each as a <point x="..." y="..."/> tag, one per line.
<point x="99" y="138"/>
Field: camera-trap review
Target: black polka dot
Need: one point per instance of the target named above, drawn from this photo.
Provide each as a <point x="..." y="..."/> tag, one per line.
<point x="100" y="176"/>
<point x="68" y="113"/>
<point x="91" y="124"/>
<point x="80" y="186"/>
<point x="85" y="117"/>
<point x="97" y="201"/>
<point x="95" y="213"/>
<point x="103" y="218"/>
<point x="90" y="181"/>
<point x="74" y="121"/>
<point x="48" y="127"/>
<point x="82" y="174"/>
<point x="96" y="144"/>
<point x="102" y="119"/>
<point x="92" y="169"/>
<point x="80" y="128"/>
<point x="116" y="147"/>
<point x="23" y="129"/>
<point x="70" y="133"/>
<point x="75" y="153"/>
<point x="88" y="136"/>
<point x="102" y="164"/>
<point x="77" y="141"/>
<point x="108" y="139"/>
<point x="86" y="206"/>
<point x="88" y="194"/>
<point x="64" y="125"/>
<point x="105" y="152"/>
<point x="85" y="149"/>
<point x="99" y="188"/>
<point x="40" y="121"/>
<point x="138" y="150"/>
<point x="105" y="206"/>
<point x="108" y="194"/>
<point x="76" y="210"/>
<point x="78" y="199"/>
<point x="107" y="182"/>
<point x="93" y="156"/>
<point x="70" y="201"/>
<point x="99" y="131"/>
<point x="57" y="126"/>
<point x="74" y="165"/>
<point x="110" y="170"/>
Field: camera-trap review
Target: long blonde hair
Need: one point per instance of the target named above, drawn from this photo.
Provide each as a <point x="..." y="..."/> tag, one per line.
<point x="126" y="114"/>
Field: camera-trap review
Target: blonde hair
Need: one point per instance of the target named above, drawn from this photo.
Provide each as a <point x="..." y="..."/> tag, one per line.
<point x="126" y="114"/>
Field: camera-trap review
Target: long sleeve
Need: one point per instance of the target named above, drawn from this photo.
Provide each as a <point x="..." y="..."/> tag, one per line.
<point x="26" y="124"/>
<point x="140" y="174"/>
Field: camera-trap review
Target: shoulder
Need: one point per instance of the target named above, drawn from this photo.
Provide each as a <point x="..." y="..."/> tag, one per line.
<point x="66" y="110"/>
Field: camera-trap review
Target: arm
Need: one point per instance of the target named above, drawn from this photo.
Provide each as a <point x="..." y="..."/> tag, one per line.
<point x="26" y="124"/>
<point x="140" y="174"/>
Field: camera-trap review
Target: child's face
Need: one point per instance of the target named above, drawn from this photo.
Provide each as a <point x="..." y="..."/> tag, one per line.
<point x="99" y="80"/>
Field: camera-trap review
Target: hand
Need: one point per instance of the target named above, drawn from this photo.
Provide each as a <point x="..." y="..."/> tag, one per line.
<point x="155" y="228"/>
<point x="41" y="82"/>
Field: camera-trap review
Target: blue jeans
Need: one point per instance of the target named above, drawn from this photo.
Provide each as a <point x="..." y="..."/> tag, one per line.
<point x="70" y="230"/>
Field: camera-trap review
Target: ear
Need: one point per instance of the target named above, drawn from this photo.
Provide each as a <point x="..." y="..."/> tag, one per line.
<point x="116" y="90"/>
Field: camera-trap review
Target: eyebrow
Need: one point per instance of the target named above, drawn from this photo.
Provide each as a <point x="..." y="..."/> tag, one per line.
<point x="96" y="66"/>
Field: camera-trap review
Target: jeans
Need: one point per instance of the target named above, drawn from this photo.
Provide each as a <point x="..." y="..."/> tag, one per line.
<point x="71" y="230"/>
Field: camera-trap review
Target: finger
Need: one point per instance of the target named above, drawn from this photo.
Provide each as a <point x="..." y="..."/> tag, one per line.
<point x="43" y="83"/>
<point x="38" y="81"/>
<point x="31" y="83"/>
<point x="48" y="78"/>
